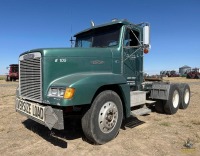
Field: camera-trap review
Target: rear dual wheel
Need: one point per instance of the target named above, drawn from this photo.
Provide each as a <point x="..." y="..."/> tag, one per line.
<point x="185" y="96"/>
<point x="179" y="97"/>
<point x="172" y="104"/>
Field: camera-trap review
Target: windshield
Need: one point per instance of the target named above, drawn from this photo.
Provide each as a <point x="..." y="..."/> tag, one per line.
<point x="101" y="37"/>
<point x="14" y="69"/>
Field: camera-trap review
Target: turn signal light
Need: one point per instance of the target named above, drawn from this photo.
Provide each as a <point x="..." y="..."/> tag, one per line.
<point x="69" y="93"/>
<point x="146" y="50"/>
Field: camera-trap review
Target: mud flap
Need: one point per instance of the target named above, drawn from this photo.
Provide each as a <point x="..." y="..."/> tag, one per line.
<point x="50" y="117"/>
<point x="160" y="91"/>
<point x="54" y="118"/>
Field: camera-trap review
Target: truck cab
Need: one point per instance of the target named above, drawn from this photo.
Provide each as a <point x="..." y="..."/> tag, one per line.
<point x="125" y="42"/>
<point x="101" y="78"/>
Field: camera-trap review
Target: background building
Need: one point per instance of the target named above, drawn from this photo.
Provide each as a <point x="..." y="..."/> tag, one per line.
<point x="185" y="69"/>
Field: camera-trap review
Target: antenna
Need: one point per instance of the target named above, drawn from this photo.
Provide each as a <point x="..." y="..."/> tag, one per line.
<point x="72" y="41"/>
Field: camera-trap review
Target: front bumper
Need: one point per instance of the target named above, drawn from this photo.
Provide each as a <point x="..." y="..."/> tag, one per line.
<point x="45" y="115"/>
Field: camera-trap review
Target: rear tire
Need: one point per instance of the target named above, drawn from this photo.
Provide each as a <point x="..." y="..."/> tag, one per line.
<point x="101" y="123"/>
<point x="190" y="76"/>
<point x="185" y="96"/>
<point x="7" y="78"/>
<point x="172" y="104"/>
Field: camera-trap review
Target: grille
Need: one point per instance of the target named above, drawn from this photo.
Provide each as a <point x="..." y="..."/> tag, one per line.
<point x="30" y="77"/>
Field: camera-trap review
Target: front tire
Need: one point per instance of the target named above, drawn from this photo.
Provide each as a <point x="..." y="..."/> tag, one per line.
<point x="7" y="78"/>
<point x="101" y="123"/>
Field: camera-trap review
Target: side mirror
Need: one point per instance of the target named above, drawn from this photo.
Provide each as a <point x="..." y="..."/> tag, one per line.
<point x="146" y="35"/>
<point x="146" y="38"/>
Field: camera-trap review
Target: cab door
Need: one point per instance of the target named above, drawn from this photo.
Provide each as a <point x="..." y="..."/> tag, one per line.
<point x="133" y="58"/>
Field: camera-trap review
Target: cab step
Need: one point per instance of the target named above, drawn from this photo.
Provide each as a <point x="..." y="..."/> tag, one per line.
<point x="150" y="101"/>
<point x="141" y="111"/>
<point x="132" y="122"/>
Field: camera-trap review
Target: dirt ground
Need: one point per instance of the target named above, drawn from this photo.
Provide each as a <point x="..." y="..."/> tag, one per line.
<point x="156" y="135"/>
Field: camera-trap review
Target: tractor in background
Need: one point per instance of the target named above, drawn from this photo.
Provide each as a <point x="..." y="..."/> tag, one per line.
<point x="194" y="74"/>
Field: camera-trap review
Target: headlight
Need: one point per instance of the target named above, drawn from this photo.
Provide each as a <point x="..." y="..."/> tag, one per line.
<point x="56" y="92"/>
<point x="61" y="92"/>
<point x="67" y="93"/>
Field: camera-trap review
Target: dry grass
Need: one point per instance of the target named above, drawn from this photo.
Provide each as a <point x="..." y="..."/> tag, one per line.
<point x="2" y="77"/>
<point x="167" y="124"/>
<point x="159" y="135"/>
<point x="195" y="122"/>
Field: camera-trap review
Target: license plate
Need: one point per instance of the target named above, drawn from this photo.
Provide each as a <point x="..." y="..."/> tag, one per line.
<point x="33" y="109"/>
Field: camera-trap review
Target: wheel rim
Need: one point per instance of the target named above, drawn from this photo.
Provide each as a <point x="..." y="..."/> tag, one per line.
<point x="186" y="96"/>
<point x="175" y="99"/>
<point x="108" y="117"/>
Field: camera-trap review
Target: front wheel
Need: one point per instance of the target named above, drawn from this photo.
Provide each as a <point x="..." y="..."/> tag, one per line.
<point x="101" y="123"/>
<point x="7" y="78"/>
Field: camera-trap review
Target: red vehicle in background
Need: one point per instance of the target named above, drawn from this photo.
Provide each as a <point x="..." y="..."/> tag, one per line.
<point x="13" y="74"/>
<point x="194" y="74"/>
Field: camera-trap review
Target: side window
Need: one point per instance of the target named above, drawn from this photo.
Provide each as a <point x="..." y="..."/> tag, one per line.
<point x="83" y="43"/>
<point x="131" y="38"/>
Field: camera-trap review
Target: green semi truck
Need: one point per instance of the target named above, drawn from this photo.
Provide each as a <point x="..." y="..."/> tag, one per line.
<point x="101" y="79"/>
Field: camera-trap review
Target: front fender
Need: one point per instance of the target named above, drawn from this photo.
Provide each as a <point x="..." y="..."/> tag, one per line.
<point x="86" y="85"/>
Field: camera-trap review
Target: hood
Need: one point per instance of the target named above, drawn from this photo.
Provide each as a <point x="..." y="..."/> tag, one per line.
<point x="61" y="62"/>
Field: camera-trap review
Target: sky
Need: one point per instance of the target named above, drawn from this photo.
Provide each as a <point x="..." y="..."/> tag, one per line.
<point x="30" y="24"/>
